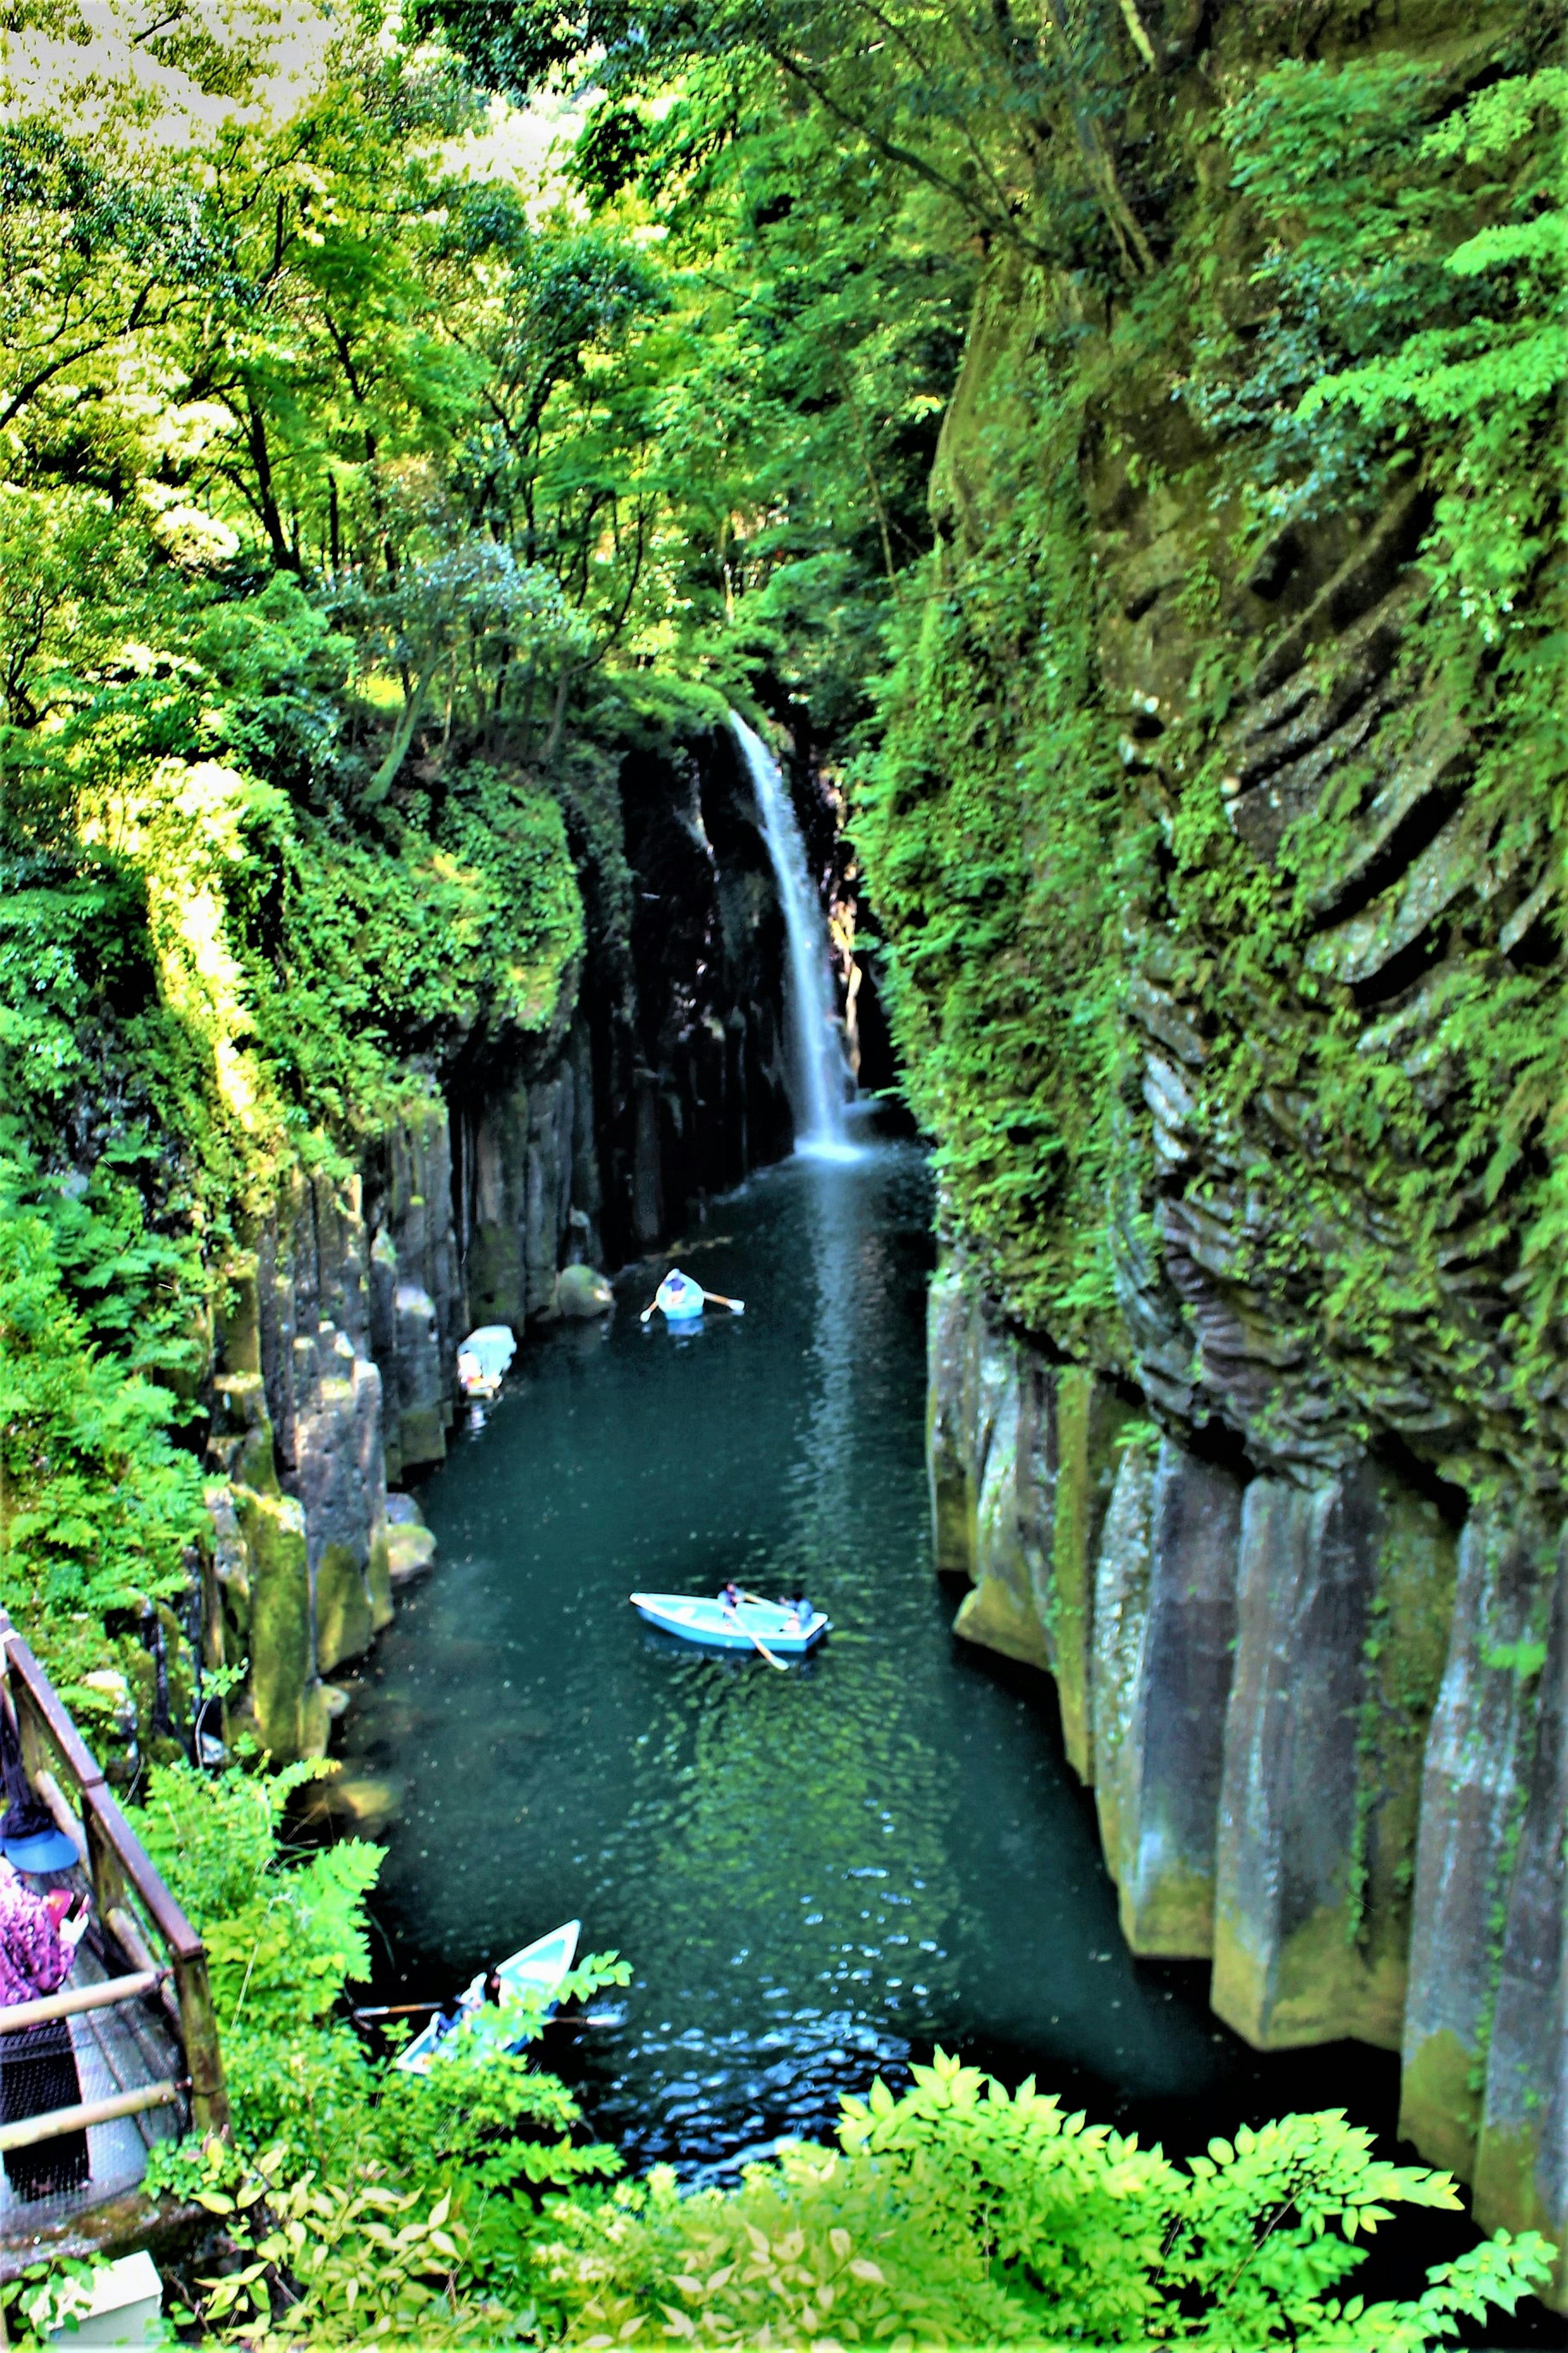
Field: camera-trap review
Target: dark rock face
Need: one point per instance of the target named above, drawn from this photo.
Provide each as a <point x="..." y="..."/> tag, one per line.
<point x="336" y="1351"/>
<point x="1522" y="2161"/>
<point x="1298" y="1953"/>
<point x="685" y="1018"/>
<point x="1174" y="1724"/>
<point x="1480" y="1762"/>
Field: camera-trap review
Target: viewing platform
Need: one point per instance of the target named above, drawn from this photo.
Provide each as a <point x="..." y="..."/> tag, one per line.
<point x="137" y="2003"/>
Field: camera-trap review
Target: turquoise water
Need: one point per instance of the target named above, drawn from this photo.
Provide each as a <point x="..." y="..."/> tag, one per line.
<point x="814" y="1874"/>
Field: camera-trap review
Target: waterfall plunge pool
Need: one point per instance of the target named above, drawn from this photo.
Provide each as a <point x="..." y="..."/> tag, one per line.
<point x="816" y="1875"/>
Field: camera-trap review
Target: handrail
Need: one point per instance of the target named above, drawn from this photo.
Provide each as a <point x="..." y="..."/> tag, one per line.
<point x="74" y="1753"/>
<point x="27" y="2131"/>
<point x="117" y="1866"/>
<point x="15" y="2015"/>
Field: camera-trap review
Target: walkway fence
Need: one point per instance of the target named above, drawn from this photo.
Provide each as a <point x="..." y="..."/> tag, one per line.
<point x="139" y="1999"/>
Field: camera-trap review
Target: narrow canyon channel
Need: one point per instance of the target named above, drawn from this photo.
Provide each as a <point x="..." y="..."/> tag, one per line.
<point x="816" y="1874"/>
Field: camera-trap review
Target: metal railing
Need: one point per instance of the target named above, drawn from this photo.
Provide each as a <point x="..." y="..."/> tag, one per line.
<point x="134" y="1909"/>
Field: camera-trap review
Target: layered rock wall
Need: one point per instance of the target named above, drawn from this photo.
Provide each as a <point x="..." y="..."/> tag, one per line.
<point x="1216" y="832"/>
<point x="1323" y="1728"/>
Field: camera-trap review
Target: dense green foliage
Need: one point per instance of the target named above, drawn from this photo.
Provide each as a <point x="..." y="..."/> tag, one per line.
<point x="97" y="1503"/>
<point x="1359" y="292"/>
<point x="363" y="496"/>
<point x="365" y="2205"/>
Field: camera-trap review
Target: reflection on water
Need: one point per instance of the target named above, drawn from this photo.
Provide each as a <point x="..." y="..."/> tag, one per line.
<point x="812" y="1872"/>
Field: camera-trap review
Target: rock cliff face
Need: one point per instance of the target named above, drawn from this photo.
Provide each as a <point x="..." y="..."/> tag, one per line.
<point x="1324" y="1732"/>
<point x="336" y="1346"/>
<point x="1247" y="1364"/>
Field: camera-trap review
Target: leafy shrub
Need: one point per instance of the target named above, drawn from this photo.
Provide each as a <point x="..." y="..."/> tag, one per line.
<point x="959" y="2214"/>
<point x="97" y="1503"/>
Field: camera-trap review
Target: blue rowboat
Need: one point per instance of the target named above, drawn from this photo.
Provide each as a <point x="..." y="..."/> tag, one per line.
<point x="697" y="1619"/>
<point x="680" y="1298"/>
<point x="538" y="1969"/>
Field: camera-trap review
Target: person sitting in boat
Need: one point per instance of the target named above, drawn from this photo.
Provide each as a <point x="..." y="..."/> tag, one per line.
<point x="731" y="1596"/>
<point x="803" y="1614"/>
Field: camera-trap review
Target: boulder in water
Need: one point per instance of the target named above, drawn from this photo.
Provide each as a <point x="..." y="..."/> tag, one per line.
<point x="409" y="1551"/>
<point x="582" y="1290"/>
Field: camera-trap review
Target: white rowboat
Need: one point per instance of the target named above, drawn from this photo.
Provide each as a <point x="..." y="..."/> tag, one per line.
<point x="713" y="1623"/>
<point x="538" y="1969"/>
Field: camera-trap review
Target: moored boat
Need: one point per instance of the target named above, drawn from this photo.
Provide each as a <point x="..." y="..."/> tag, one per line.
<point x="538" y="1969"/>
<point x="483" y="1359"/>
<point x="743" y="1626"/>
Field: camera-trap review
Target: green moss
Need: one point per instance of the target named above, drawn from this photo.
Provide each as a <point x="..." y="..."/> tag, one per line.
<point x="1314" y="1988"/>
<point x="999" y="1617"/>
<point x="1404" y="1654"/>
<point x="378" y="1581"/>
<point x="1439" y="2105"/>
<point x="342" y="1609"/>
<point x="421" y="1436"/>
<point x="1034" y="858"/>
<point x="289" y="1717"/>
<point x="1173" y="1916"/>
<point x="1508" y="2196"/>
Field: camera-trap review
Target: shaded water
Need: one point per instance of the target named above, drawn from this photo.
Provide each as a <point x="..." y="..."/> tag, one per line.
<point x="814" y="1872"/>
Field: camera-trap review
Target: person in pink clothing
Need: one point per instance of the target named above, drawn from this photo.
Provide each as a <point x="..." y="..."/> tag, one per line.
<point x="37" y="2064"/>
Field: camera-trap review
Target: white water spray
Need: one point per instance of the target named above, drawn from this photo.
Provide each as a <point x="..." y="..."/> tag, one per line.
<point x="816" y="1054"/>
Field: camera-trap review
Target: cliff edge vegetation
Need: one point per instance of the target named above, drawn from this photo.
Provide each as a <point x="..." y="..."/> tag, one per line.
<point x="418" y="430"/>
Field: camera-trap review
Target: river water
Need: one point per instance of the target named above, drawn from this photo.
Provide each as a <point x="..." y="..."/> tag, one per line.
<point x="813" y="1874"/>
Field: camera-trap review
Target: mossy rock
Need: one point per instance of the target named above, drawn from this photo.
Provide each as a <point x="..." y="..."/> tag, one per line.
<point x="280" y="1634"/>
<point x="421" y="1436"/>
<point x="344" y="1625"/>
<point x="582" y="1290"/>
<point x="410" y="1551"/>
<point x="1439" y="2102"/>
<point x="378" y="1579"/>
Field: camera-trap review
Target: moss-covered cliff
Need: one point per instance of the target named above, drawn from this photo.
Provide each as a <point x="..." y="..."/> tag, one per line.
<point x="1217" y="832"/>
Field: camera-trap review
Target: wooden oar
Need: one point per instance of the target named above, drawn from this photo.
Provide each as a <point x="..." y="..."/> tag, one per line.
<point x="412" y="2009"/>
<point x="757" y="1637"/>
<point x="736" y="1306"/>
<point x="648" y="1311"/>
<point x="762" y="1599"/>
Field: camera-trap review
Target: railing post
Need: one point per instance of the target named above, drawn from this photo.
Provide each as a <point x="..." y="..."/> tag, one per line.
<point x="198" y="2030"/>
<point x="36" y="1754"/>
<point x="103" y="1866"/>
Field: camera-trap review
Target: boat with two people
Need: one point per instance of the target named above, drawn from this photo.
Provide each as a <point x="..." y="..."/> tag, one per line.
<point x="743" y="1623"/>
<point x="539" y="1969"/>
<point x="680" y="1299"/>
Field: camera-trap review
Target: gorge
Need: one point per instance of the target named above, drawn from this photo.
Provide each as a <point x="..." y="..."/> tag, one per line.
<point x="1026" y="555"/>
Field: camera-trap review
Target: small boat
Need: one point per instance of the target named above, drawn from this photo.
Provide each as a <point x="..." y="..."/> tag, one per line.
<point x="680" y="1298"/>
<point x="483" y="1358"/>
<point x="697" y="1619"/>
<point x="538" y="1969"/>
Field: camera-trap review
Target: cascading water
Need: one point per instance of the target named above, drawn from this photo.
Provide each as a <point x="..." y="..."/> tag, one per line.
<point x="816" y="1054"/>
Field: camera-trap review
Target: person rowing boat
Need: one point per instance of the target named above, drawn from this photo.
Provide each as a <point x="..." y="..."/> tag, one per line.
<point x="681" y="1300"/>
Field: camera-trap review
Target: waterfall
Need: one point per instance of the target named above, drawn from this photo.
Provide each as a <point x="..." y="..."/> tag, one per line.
<point x="816" y="1054"/>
